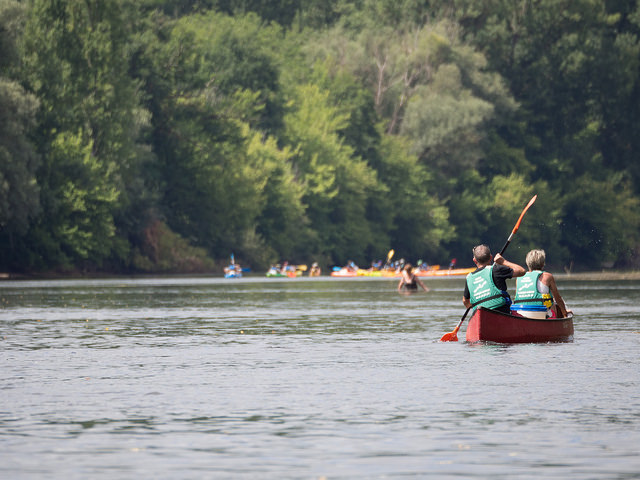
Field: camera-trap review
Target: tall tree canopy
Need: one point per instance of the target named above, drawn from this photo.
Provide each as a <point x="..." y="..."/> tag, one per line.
<point x="157" y="135"/>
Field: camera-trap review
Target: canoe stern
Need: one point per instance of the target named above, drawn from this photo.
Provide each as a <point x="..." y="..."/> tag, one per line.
<point x="491" y="326"/>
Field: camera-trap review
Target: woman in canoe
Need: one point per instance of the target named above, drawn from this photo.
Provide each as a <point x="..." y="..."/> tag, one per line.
<point x="538" y="287"/>
<point x="408" y="280"/>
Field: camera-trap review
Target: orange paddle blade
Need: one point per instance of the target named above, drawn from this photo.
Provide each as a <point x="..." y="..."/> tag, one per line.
<point x="451" y="336"/>
<point x="531" y="202"/>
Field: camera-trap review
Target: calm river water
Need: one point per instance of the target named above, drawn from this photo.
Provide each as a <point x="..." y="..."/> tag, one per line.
<point x="194" y="378"/>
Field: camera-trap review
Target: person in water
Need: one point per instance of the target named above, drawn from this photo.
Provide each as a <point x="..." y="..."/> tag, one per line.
<point x="315" y="270"/>
<point x="409" y="281"/>
<point x="538" y="287"/>
<point x="487" y="285"/>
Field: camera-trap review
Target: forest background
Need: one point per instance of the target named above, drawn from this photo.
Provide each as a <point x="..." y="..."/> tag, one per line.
<point x="162" y="136"/>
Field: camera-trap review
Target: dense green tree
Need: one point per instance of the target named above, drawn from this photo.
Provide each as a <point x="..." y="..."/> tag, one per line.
<point x="282" y="223"/>
<point x="419" y="222"/>
<point x="81" y="194"/>
<point x="19" y="191"/>
<point x="75" y="61"/>
<point x="601" y="221"/>
<point x="229" y="55"/>
<point x="210" y="78"/>
<point x="131" y="132"/>
<point x="573" y="67"/>
<point x="337" y="182"/>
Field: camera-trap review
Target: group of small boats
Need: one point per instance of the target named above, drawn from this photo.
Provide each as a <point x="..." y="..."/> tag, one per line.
<point x="430" y="271"/>
<point x="292" y="271"/>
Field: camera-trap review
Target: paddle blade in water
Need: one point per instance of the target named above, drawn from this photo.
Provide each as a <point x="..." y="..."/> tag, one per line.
<point x="450" y="337"/>
<point x="453" y="336"/>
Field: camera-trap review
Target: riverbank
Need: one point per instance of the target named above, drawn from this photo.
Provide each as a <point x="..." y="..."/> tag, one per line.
<point x="587" y="276"/>
<point x="602" y="275"/>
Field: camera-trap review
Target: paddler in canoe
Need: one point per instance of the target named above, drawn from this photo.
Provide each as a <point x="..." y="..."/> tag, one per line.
<point x="487" y="285"/>
<point x="538" y="288"/>
<point x="409" y="281"/>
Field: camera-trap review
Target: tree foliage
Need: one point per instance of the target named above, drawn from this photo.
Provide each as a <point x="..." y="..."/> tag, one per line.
<point x="150" y="135"/>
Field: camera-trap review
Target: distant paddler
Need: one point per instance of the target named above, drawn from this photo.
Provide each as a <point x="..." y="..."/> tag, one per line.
<point x="233" y="270"/>
<point x="387" y="264"/>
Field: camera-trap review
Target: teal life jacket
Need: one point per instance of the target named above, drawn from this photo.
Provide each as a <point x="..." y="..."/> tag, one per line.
<point x="483" y="291"/>
<point x="527" y="290"/>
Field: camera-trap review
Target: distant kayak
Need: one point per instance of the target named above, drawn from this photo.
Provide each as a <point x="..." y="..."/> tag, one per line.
<point x="291" y="271"/>
<point x="444" y="273"/>
<point x="274" y="272"/>
<point x="344" y="272"/>
<point x="433" y="271"/>
<point x="233" y="274"/>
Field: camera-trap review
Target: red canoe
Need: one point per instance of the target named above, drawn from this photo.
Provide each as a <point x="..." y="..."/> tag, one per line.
<point x="491" y="326"/>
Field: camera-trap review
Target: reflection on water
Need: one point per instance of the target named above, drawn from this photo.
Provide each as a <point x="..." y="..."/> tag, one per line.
<point x="281" y="378"/>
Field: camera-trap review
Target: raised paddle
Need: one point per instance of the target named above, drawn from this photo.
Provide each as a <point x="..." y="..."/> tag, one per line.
<point x="389" y="255"/>
<point x="453" y="336"/>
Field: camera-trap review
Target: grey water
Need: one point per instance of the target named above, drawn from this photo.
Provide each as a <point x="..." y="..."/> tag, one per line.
<point x="193" y="378"/>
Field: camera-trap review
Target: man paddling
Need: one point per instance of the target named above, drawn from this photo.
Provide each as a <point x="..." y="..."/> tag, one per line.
<point x="487" y="285"/>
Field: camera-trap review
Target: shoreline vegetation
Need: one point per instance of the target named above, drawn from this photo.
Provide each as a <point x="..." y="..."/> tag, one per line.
<point x="601" y="275"/>
<point x="159" y="137"/>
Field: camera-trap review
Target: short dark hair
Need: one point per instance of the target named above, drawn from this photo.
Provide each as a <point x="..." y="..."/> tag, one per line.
<point x="482" y="253"/>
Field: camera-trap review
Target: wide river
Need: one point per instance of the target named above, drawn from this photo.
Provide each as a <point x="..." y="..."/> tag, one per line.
<point x="196" y="378"/>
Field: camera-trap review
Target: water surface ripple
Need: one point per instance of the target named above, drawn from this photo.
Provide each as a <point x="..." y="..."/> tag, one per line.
<point x="276" y="378"/>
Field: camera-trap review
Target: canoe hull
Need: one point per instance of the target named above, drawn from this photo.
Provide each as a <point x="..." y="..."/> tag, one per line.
<point x="491" y="326"/>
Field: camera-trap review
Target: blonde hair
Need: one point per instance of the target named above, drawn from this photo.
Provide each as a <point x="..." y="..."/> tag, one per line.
<point x="535" y="259"/>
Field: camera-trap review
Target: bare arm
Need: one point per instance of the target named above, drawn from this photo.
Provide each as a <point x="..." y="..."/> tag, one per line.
<point x="419" y="282"/>
<point x="467" y="302"/>
<point x="518" y="271"/>
<point x="548" y="279"/>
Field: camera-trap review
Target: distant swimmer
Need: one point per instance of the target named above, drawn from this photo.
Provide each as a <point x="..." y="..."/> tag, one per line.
<point x="409" y="281"/>
<point x="315" y="270"/>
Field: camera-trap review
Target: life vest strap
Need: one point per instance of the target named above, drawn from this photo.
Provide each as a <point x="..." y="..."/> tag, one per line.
<point x="493" y="297"/>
